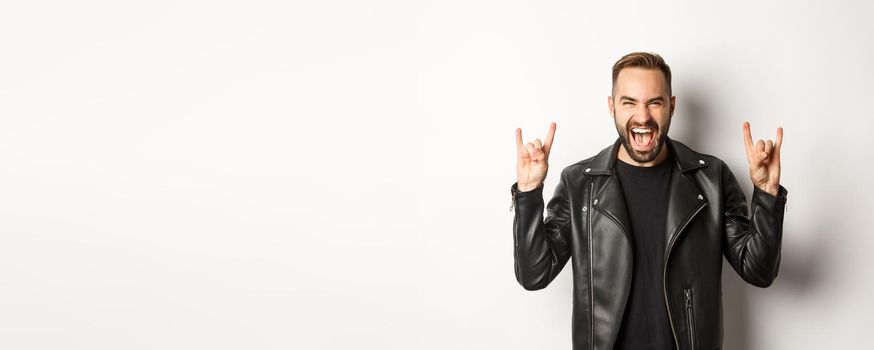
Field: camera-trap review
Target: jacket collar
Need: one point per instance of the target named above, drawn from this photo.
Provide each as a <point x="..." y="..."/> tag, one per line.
<point x="685" y="199"/>
<point x="684" y="158"/>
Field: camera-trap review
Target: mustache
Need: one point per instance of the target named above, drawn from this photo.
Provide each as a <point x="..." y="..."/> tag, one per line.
<point x="653" y="125"/>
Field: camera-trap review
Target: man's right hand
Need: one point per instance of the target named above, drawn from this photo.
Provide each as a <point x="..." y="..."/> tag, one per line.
<point x="531" y="161"/>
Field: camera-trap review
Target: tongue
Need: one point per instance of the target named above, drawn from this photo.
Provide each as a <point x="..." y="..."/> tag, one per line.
<point x="642" y="139"/>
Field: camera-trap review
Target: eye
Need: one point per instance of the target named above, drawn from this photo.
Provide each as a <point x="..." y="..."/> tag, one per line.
<point x="627" y="103"/>
<point x="656" y="102"/>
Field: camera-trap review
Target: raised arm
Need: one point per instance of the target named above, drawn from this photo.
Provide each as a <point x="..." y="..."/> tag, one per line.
<point x="753" y="239"/>
<point x="541" y="247"/>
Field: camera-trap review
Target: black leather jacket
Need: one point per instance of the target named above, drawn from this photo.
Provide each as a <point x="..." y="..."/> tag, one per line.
<point x="587" y="220"/>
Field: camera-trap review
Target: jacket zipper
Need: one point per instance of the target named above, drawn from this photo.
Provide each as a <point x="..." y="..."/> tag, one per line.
<point x="665" y="272"/>
<point x="512" y="200"/>
<point x="631" y="263"/>
<point x="690" y="317"/>
<point x="591" y="267"/>
<point x="515" y="220"/>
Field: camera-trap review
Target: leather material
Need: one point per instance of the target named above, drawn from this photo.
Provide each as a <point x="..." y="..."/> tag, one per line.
<point x="586" y="219"/>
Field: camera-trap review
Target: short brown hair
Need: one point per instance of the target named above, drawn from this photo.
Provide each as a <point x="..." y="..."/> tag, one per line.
<point x="644" y="60"/>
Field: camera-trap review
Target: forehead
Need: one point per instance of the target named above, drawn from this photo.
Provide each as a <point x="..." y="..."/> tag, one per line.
<point x="640" y="82"/>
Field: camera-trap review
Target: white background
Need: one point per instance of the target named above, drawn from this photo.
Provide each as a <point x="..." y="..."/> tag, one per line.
<point x="336" y="174"/>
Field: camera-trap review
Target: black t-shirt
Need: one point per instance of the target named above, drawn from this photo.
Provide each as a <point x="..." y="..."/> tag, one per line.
<point x="645" y="324"/>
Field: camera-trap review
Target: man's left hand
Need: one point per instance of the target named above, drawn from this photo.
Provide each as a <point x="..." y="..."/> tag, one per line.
<point x="764" y="159"/>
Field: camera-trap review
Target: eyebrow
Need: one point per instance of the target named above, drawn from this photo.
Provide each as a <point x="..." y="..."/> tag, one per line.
<point x="624" y="98"/>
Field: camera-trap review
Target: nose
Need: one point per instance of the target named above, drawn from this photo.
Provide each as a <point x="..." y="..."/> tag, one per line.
<point x="642" y="115"/>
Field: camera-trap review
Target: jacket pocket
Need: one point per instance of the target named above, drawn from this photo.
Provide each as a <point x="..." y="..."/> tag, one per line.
<point x="690" y="317"/>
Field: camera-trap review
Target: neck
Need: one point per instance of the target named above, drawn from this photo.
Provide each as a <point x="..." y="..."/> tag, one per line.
<point x="623" y="156"/>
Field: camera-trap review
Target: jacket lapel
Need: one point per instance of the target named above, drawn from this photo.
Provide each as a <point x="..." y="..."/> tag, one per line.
<point x="684" y="198"/>
<point x="610" y="198"/>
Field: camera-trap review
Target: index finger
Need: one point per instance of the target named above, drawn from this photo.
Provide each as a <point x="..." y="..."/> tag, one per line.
<point x="518" y="138"/>
<point x="779" y="138"/>
<point x="748" y="139"/>
<point x="547" y="145"/>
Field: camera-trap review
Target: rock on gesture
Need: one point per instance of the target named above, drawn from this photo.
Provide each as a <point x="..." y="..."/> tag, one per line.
<point x="531" y="161"/>
<point x="764" y="159"/>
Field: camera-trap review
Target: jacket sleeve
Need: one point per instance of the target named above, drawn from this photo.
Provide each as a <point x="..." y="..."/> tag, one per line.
<point x="752" y="242"/>
<point x="541" y="247"/>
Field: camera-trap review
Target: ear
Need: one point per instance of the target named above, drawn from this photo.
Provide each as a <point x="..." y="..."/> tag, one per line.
<point x="673" y="105"/>
<point x="610" y="105"/>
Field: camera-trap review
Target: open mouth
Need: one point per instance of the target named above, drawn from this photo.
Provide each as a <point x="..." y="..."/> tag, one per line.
<point x="642" y="137"/>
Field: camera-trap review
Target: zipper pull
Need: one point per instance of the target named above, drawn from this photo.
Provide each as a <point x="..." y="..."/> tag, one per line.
<point x="688" y="298"/>
<point x="512" y="200"/>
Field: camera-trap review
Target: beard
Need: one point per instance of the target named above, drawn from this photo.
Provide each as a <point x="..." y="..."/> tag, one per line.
<point x="658" y="142"/>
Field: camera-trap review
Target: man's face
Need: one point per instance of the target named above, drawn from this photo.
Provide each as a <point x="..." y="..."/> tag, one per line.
<point x="642" y="108"/>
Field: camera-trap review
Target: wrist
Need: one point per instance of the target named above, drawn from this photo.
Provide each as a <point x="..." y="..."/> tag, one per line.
<point x="524" y="187"/>
<point x="773" y="190"/>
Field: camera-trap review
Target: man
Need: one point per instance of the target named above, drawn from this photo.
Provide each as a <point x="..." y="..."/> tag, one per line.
<point x="647" y="232"/>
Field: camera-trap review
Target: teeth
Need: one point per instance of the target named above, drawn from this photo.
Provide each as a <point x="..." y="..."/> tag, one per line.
<point x="641" y="131"/>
